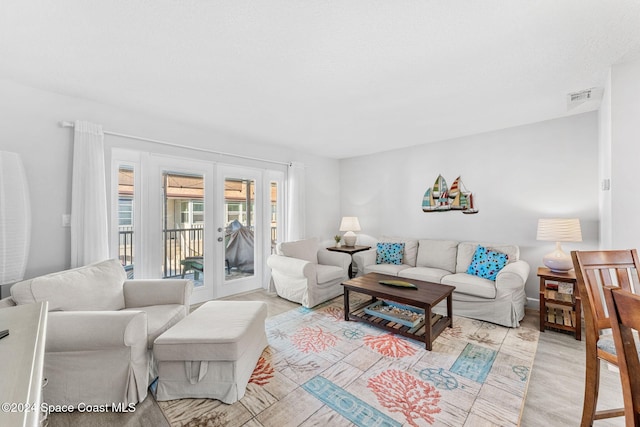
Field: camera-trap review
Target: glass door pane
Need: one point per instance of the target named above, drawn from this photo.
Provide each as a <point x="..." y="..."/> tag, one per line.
<point x="183" y="226"/>
<point x="274" y="215"/>
<point x="240" y="227"/>
<point x="241" y="233"/>
<point x="126" y="218"/>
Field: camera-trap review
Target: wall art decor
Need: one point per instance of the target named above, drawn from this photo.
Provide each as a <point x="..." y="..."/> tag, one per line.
<point x="441" y="198"/>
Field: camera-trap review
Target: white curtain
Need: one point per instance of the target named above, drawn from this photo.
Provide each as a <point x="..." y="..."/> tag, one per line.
<point x="295" y="202"/>
<point x="89" y="227"/>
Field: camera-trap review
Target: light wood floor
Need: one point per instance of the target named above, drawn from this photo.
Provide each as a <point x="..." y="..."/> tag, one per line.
<point x="554" y="397"/>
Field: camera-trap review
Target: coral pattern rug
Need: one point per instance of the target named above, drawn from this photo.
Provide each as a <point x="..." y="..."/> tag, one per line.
<point x="321" y="370"/>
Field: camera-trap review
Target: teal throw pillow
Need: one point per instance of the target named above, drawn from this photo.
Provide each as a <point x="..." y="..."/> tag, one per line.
<point x="487" y="263"/>
<point x="390" y="253"/>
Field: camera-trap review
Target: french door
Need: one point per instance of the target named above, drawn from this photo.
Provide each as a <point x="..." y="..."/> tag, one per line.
<point x="214" y="224"/>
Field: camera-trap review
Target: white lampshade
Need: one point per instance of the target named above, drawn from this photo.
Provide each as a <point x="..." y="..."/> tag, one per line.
<point x="15" y="218"/>
<point x="559" y="230"/>
<point x="350" y="224"/>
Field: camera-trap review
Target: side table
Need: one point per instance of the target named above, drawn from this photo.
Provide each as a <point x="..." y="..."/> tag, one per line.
<point x="349" y="250"/>
<point x="560" y="303"/>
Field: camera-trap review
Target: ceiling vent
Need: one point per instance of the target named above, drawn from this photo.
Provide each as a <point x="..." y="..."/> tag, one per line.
<point x="587" y="96"/>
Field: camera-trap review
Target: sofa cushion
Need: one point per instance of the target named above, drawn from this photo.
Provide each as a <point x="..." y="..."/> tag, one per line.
<point x="410" y="248"/>
<point x="427" y="274"/>
<point x="390" y="269"/>
<point x="91" y="287"/>
<point x="440" y="254"/>
<point x="471" y="285"/>
<point x="487" y="263"/>
<point x="160" y="318"/>
<point x="466" y="250"/>
<point x="301" y="249"/>
<point x="389" y="253"/>
<point x="327" y="273"/>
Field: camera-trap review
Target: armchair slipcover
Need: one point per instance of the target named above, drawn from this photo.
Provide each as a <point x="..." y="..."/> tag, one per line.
<point x="101" y="329"/>
<point x="302" y="273"/>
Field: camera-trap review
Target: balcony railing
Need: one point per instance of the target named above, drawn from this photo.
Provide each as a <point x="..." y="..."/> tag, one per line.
<point x="126" y="245"/>
<point x="179" y="243"/>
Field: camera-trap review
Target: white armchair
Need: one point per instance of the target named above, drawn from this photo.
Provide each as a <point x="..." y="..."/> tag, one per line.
<point x="100" y="330"/>
<point x="302" y="273"/>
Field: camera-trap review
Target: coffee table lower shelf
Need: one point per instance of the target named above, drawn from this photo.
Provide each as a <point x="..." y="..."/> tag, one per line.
<point x="424" y="295"/>
<point x="438" y="324"/>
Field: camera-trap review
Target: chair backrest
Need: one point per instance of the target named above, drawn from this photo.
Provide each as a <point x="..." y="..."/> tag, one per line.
<point x="624" y="310"/>
<point x="597" y="269"/>
<point x="302" y="249"/>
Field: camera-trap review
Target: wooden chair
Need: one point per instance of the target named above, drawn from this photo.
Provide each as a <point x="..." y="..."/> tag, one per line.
<point x="595" y="270"/>
<point x="624" y="310"/>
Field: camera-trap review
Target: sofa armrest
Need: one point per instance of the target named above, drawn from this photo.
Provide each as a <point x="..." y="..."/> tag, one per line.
<point x="7" y="302"/>
<point x="143" y="293"/>
<point x="338" y="259"/>
<point x="513" y="275"/>
<point x="95" y="330"/>
<point x="292" y="267"/>
<point x="363" y="259"/>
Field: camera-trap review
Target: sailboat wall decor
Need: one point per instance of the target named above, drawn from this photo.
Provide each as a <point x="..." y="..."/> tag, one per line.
<point x="441" y="198"/>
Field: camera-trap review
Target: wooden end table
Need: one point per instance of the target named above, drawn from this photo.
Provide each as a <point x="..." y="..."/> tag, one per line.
<point x="560" y="310"/>
<point x="425" y="297"/>
<point x="349" y="250"/>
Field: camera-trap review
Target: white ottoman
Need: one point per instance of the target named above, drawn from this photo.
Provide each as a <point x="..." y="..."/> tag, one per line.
<point x="212" y="352"/>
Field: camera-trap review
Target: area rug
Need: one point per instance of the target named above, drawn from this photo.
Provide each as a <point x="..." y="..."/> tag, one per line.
<point x="321" y="370"/>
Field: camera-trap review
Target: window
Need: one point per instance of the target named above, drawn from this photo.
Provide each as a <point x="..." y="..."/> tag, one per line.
<point x="192" y="212"/>
<point x="234" y="211"/>
<point x="198" y="212"/>
<point x="184" y="212"/>
<point x="125" y="212"/>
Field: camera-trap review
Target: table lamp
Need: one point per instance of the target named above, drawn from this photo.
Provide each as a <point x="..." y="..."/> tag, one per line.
<point x="350" y="224"/>
<point x="559" y="230"/>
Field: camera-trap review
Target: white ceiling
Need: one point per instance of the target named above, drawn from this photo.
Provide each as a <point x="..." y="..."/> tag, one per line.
<point x="329" y="77"/>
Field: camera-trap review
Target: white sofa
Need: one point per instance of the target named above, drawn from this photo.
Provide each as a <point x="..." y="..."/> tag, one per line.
<point x="303" y="273"/>
<point x="101" y="329"/>
<point x="446" y="261"/>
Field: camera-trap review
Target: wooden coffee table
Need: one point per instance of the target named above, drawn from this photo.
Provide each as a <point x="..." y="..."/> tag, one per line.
<point x="425" y="297"/>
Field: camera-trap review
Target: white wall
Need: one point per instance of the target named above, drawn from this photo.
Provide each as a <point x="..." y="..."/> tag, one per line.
<point x="517" y="175"/>
<point x="625" y="155"/>
<point x="29" y="126"/>
<point x="604" y="155"/>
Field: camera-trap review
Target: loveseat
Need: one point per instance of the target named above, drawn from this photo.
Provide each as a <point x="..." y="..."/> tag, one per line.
<point x="501" y="301"/>
<point x="100" y="330"/>
<point x="303" y="272"/>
